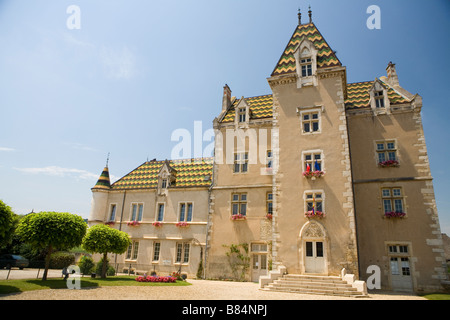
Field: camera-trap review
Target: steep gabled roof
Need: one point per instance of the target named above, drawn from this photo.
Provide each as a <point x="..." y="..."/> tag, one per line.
<point x="358" y="95"/>
<point x="190" y="173"/>
<point x="260" y="108"/>
<point x="325" y="56"/>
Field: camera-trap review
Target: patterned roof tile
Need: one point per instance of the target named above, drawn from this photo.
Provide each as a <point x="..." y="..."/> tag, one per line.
<point x="260" y="108"/>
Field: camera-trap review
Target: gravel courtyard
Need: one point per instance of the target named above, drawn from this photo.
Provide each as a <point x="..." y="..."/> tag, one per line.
<point x="199" y="290"/>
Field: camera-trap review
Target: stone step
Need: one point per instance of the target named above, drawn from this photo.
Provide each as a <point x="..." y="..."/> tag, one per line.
<point x="279" y="283"/>
<point x="354" y="294"/>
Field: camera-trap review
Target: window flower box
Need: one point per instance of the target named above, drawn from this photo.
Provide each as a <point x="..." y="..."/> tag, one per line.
<point x="133" y="223"/>
<point x="313" y="174"/>
<point x="157" y="224"/>
<point x="235" y="217"/>
<point x="388" y="163"/>
<point x="110" y="223"/>
<point x="394" y="214"/>
<point x="314" y="214"/>
<point x="269" y="216"/>
<point x="182" y="224"/>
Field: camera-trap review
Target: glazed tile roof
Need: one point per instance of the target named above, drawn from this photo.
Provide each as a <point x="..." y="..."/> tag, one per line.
<point x="189" y="173"/>
<point x="325" y="56"/>
<point x="358" y="95"/>
<point x="260" y="108"/>
<point x="103" y="182"/>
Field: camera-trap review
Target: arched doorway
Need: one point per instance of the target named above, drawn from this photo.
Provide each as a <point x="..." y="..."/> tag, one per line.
<point x="313" y="248"/>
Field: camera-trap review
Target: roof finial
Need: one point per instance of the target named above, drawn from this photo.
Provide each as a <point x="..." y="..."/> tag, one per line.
<point x="299" y="17"/>
<point x="310" y="14"/>
<point x="107" y="160"/>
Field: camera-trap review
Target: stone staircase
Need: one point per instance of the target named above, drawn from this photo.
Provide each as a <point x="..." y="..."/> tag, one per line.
<point x="310" y="284"/>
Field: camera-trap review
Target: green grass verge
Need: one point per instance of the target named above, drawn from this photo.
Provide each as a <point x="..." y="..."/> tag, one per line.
<point x="437" y="296"/>
<point x="16" y="286"/>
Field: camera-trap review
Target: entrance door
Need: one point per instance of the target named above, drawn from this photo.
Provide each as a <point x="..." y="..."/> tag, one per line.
<point x="259" y="260"/>
<point x="401" y="274"/>
<point x="314" y="260"/>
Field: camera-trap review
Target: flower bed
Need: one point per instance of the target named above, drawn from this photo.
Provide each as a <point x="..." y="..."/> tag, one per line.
<point x="167" y="279"/>
<point x="315" y="214"/>
<point x="388" y="163"/>
<point x="394" y="214"/>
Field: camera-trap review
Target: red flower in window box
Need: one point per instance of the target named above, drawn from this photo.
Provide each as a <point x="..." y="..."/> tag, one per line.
<point x="133" y="223"/>
<point x="313" y="174"/>
<point x="394" y="214"/>
<point x="388" y="163"/>
<point x="269" y="216"/>
<point x="157" y="224"/>
<point x="182" y="224"/>
<point x="314" y="214"/>
<point x="110" y="223"/>
<point x="238" y="217"/>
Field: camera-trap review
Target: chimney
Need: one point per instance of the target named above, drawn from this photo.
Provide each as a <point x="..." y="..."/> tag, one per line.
<point x="226" y="102"/>
<point x="392" y="77"/>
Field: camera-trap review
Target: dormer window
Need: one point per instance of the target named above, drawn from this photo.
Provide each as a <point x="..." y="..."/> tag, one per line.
<point x="306" y="66"/>
<point x="379" y="99"/>
<point x="164" y="183"/>
<point x="241" y="114"/>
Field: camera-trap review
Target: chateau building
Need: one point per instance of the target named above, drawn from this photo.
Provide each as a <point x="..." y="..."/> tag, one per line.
<point x="318" y="176"/>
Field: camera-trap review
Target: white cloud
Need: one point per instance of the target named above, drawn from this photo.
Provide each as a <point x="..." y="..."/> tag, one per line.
<point x="61" y="172"/>
<point x="6" y="149"/>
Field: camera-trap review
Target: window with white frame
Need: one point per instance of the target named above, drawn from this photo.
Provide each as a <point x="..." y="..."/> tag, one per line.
<point x="269" y="203"/>
<point x="185" y="214"/>
<point x="132" y="252"/>
<point x="241" y="114"/>
<point x="386" y="150"/>
<point x="112" y="213"/>
<point x="306" y="66"/>
<point x="314" y="202"/>
<point x="239" y="203"/>
<point x="310" y="121"/>
<point x="137" y="210"/>
<point x="392" y="200"/>
<point x="240" y="162"/>
<point x="160" y="212"/>
<point x="269" y="159"/>
<point x="312" y="161"/>
<point x="182" y="252"/>
<point x="156" y="251"/>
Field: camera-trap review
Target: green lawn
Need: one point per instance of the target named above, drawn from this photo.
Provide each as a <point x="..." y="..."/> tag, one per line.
<point x="437" y="296"/>
<point x="15" y="286"/>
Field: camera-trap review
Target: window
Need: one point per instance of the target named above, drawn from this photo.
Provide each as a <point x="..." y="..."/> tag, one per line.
<point x="239" y="203"/>
<point x="240" y="162"/>
<point x="386" y="151"/>
<point x="312" y="161"/>
<point x="164" y="184"/>
<point x="182" y="254"/>
<point x="314" y="202"/>
<point x="306" y="66"/>
<point x="310" y="121"/>
<point x="156" y="250"/>
<point x="269" y="203"/>
<point x="392" y="200"/>
<point x="160" y="216"/>
<point x="136" y="211"/>
<point x="185" y="212"/>
<point x="241" y="114"/>
<point x="398" y="249"/>
<point x="132" y="252"/>
<point x="379" y="99"/>
<point x="269" y="160"/>
<point x="112" y="215"/>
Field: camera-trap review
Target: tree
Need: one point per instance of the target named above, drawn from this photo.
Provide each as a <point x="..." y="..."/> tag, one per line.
<point x="52" y="231"/>
<point x="8" y="222"/>
<point x="103" y="239"/>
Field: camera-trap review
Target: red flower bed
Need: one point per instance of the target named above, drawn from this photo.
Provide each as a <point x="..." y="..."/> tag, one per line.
<point x="167" y="279"/>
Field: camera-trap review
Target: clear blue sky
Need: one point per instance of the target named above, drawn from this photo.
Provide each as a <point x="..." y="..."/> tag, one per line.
<point x="138" y="70"/>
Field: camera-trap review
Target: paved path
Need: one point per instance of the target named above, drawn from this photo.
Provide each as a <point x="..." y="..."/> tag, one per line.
<point x="199" y="290"/>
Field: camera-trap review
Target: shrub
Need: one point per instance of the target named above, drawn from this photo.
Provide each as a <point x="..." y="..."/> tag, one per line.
<point x="110" y="271"/>
<point x="60" y="260"/>
<point x="86" y="265"/>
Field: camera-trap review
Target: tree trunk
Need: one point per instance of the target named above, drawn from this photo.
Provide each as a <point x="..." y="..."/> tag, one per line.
<point x="105" y="261"/>
<point x="47" y="262"/>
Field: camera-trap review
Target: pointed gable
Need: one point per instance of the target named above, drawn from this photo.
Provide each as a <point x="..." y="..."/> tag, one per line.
<point x="104" y="181"/>
<point x="260" y="107"/>
<point x="325" y="55"/>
